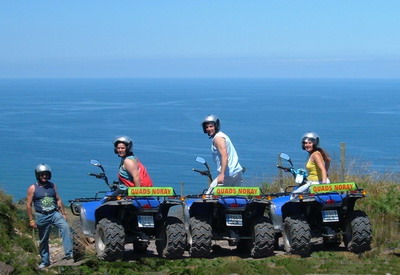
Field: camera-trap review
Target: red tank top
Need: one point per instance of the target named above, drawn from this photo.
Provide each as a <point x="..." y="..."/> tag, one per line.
<point x="145" y="180"/>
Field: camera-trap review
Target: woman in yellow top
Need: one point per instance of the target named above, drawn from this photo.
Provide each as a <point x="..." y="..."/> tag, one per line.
<point x="318" y="160"/>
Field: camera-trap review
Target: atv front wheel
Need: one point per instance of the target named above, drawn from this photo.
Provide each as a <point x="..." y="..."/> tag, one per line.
<point x="263" y="238"/>
<point x="296" y="236"/>
<point x="358" y="232"/>
<point x="201" y="235"/>
<point x="171" y="241"/>
<point x="109" y="240"/>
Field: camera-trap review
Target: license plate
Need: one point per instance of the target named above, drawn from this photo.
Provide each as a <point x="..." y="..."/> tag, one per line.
<point x="330" y="216"/>
<point x="145" y="221"/>
<point x="234" y="220"/>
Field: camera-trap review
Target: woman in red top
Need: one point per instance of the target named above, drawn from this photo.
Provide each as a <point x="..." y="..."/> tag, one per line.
<point x="131" y="170"/>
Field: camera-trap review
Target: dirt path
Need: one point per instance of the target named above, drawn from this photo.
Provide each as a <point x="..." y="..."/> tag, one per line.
<point x="219" y="249"/>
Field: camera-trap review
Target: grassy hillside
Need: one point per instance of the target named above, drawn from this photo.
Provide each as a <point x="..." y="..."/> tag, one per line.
<point x="18" y="249"/>
<point x="19" y="254"/>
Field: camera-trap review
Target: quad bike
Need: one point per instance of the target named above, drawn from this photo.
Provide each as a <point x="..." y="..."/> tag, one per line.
<point x="234" y="214"/>
<point x="123" y="215"/>
<point x="322" y="210"/>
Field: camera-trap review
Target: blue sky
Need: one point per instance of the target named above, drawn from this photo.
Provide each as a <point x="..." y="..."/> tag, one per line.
<point x="151" y="38"/>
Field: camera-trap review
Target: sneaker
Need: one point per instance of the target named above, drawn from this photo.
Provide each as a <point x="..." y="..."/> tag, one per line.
<point x="42" y="265"/>
<point x="68" y="257"/>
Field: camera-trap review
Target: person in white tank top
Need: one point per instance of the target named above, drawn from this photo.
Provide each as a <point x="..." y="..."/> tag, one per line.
<point x="224" y="155"/>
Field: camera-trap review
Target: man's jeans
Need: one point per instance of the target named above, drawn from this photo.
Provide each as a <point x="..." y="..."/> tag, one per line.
<point x="44" y="223"/>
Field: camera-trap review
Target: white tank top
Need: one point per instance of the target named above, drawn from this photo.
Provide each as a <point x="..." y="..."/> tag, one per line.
<point x="234" y="166"/>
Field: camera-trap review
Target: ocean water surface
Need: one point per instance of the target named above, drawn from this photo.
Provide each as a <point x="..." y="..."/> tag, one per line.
<point x="67" y="122"/>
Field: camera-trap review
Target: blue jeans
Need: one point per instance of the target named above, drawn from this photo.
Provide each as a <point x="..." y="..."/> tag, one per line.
<point x="44" y="222"/>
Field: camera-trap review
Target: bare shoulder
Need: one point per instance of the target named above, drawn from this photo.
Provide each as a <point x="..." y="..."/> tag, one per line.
<point x="316" y="155"/>
<point x="130" y="162"/>
<point x="31" y="187"/>
<point x="219" y="139"/>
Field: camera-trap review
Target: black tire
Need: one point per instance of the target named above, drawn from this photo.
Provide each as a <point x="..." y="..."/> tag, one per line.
<point x="79" y="241"/>
<point x="358" y="235"/>
<point x="109" y="240"/>
<point x="263" y="238"/>
<point x="296" y="236"/>
<point x="171" y="241"/>
<point x="201" y="234"/>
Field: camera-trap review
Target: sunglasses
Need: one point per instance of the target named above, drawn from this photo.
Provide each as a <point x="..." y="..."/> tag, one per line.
<point x="42" y="174"/>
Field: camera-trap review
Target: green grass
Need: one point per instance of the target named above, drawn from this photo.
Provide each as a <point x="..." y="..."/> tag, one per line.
<point x="318" y="263"/>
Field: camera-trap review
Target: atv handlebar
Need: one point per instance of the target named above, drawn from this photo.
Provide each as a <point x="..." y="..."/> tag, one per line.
<point x="103" y="177"/>
<point x="286" y="169"/>
<point x="204" y="173"/>
<point x="99" y="176"/>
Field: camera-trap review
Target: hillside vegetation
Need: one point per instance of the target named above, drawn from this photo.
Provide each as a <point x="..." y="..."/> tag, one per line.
<point x="19" y="252"/>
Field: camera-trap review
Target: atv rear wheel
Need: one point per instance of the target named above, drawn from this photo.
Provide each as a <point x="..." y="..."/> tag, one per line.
<point x="109" y="240"/>
<point x="79" y="241"/>
<point x="171" y="241"/>
<point x="358" y="232"/>
<point x="296" y="236"/>
<point x="263" y="238"/>
<point x="201" y="235"/>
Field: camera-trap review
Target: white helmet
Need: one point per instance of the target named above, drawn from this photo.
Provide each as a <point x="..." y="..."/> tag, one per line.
<point x="42" y="168"/>
<point x="211" y="119"/>
<point x="125" y="140"/>
<point x="310" y="137"/>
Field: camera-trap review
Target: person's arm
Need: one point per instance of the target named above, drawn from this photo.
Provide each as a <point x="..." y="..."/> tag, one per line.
<point x="133" y="169"/>
<point x="60" y="204"/>
<point x="220" y="144"/>
<point x="319" y="161"/>
<point x="29" y="200"/>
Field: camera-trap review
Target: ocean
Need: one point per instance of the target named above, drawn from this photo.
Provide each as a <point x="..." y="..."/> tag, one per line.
<point x="67" y="122"/>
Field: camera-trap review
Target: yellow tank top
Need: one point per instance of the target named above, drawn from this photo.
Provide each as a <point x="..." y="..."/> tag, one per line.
<point x="314" y="173"/>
